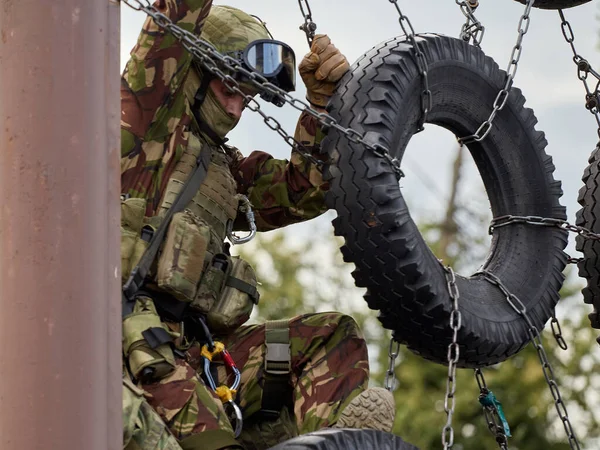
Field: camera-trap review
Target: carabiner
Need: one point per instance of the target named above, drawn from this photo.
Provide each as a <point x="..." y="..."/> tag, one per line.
<point x="239" y="421"/>
<point x="246" y="208"/>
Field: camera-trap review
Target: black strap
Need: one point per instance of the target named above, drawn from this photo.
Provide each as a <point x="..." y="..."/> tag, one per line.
<point x="155" y="337"/>
<point x="242" y="286"/>
<point x="139" y="273"/>
<point x="277" y="388"/>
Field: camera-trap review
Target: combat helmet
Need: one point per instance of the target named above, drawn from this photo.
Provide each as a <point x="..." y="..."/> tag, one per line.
<point x="237" y="34"/>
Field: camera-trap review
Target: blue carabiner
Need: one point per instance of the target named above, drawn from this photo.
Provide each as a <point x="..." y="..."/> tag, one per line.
<point x="490" y="401"/>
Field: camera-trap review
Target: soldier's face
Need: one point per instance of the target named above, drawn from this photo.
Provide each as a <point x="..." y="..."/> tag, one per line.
<point x="231" y="102"/>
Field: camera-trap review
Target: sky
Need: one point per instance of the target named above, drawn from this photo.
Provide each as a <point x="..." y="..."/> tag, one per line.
<point x="546" y="75"/>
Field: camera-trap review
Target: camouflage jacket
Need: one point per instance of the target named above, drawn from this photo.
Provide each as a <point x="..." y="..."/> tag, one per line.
<point x="156" y="120"/>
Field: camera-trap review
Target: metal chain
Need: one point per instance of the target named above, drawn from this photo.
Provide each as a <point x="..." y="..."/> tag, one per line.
<point x="309" y="27"/>
<point x="212" y="60"/>
<point x="502" y="221"/>
<point x="536" y="340"/>
<point x="502" y="97"/>
<point x="390" y="376"/>
<point x="426" y="96"/>
<point x="557" y="333"/>
<point x="472" y="28"/>
<point x="453" y="356"/>
<point x="584" y="68"/>
<point x="492" y="417"/>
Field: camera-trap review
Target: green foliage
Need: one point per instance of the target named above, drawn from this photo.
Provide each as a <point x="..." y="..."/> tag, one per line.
<point x="309" y="275"/>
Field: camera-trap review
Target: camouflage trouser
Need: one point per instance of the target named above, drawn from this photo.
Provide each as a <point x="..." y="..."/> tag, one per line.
<point x="329" y="368"/>
<point x="143" y="429"/>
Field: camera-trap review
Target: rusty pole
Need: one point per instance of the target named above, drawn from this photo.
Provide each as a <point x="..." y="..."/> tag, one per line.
<point x="59" y="246"/>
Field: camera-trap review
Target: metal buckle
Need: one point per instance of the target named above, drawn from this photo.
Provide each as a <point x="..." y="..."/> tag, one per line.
<point x="278" y="359"/>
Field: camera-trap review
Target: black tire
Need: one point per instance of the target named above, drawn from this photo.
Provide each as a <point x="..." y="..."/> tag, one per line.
<point x="380" y="96"/>
<point x="556" y="4"/>
<point x="589" y="217"/>
<point x="346" y="439"/>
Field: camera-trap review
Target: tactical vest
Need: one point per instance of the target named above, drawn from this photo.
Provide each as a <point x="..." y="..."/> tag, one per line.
<point x="216" y="202"/>
<point x="193" y="265"/>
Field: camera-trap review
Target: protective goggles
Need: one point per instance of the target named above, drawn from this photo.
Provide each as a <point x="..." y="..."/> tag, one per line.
<point x="275" y="61"/>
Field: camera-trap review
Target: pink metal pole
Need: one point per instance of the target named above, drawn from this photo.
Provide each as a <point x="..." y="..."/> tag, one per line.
<point x="60" y="369"/>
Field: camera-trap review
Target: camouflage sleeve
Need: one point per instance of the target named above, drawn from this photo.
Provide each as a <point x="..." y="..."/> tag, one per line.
<point x="154" y="73"/>
<point x="284" y="192"/>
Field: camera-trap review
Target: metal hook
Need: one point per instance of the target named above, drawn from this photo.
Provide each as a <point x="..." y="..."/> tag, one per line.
<point x="246" y="208"/>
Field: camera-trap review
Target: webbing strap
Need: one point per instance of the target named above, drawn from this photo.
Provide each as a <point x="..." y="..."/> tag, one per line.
<point x="277" y="388"/>
<point x="247" y="288"/>
<point x="139" y="273"/>
<point x="156" y="336"/>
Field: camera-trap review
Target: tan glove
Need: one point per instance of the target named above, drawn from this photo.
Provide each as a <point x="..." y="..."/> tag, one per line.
<point x="321" y="69"/>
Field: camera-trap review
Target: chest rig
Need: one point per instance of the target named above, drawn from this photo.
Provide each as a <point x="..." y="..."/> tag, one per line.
<point x="216" y="202"/>
<point x="186" y="270"/>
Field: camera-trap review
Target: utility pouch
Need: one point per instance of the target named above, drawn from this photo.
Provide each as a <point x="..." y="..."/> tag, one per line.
<point x="133" y="241"/>
<point x="147" y="342"/>
<point x="212" y="283"/>
<point x="238" y="296"/>
<point x="181" y="262"/>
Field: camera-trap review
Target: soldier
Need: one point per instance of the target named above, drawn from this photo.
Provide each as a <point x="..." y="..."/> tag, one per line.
<point x="183" y="339"/>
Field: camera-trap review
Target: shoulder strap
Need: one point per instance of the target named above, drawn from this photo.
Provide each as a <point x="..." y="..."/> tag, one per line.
<point x="139" y="273"/>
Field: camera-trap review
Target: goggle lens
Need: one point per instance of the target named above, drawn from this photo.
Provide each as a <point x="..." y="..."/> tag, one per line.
<point x="273" y="59"/>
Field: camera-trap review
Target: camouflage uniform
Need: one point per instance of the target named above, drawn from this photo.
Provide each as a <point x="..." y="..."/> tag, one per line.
<point x="329" y="356"/>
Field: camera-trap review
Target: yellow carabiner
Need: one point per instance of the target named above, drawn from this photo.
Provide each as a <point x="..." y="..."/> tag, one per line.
<point x="225" y="394"/>
<point x="219" y="347"/>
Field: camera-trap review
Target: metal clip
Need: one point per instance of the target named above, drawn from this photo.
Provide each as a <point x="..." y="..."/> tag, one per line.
<point x="246" y="208"/>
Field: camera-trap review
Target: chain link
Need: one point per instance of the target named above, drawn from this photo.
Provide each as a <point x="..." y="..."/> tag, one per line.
<point x="557" y="333"/>
<point x="503" y="221"/>
<point x="426" y="95"/>
<point x="309" y="27"/>
<point x="212" y="61"/>
<point x="472" y="28"/>
<point x="536" y="340"/>
<point x="584" y="68"/>
<point x="390" y="376"/>
<point x="502" y="97"/>
<point x="491" y="413"/>
<point x="453" y="356"/>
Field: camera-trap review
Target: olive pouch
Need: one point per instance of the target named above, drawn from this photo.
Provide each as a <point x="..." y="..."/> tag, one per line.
<point x="147" y="342"/>
<point x="237" y="298"/>
<point x="133" y="244"/>
<point x="181" y="262"/>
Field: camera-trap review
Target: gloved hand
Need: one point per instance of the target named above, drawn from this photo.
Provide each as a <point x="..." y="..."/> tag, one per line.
<point x="321" y="69"/>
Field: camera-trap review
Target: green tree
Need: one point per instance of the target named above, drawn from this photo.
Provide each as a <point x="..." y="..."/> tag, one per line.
<point x="311" y="276"/>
